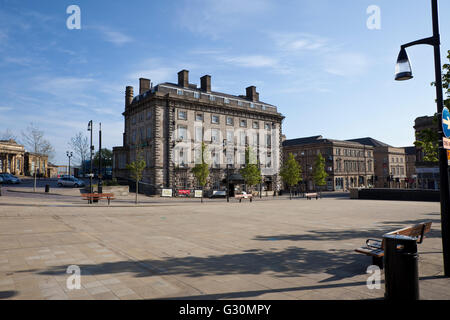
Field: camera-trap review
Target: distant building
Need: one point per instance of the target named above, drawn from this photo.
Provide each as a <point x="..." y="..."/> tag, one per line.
<point x="169" y="122"/>
<point x="36" y="163"/>
<point x="11" y="157"/>
<point x="427" y="172"/>
<point x="348" y="164"/>
<point x="411" y="175"/>
<point x="390" y="163"/>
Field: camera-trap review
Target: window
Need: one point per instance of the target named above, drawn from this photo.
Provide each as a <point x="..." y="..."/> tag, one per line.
<point x="255" y="125"/>
<point x="133" y="120"/>
<point x="263" y="107"/>
<point x="242" y="138"/>
<point x="268" y="140"/>
<point x="230" y="121"/>
<point x="243" y="123"/>
<point x="141" y="116"/>
<point x="149" y="132"/>
<point x="212" y="98"/>
<point x="214" y="119"/>
<point x="226" y="100"/>
<point x="267" y="126"/>
<point x="215" y="136"/>
<point x="141" y="134"/>
<point x="255" y="139"/>
<point x="133" y="136"/>
<point x="182" y="132"/>
<point x="199" y="117"/>
<point x="198" y="134"/>
<point x="149" y="114"/>
<point x="215" y="158"/>
<point x="252" y="105"/>
<point x="240" y="103"/>
<point x="230" y="137"/>
<point x="180" y="92"/>
<point x="182" y="115"/>
<point x="196" y="95"/>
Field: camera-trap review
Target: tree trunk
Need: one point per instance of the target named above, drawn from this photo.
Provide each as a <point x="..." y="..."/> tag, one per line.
<point x="137" y="191"/>
<point x="290" y="193"/>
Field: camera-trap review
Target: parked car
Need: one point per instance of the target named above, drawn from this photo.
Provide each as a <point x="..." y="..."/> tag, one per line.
<point x="218" y="194"/>
<point x="70" y="182"/>
<point x="9" y="178"/>
<point x="1" y="180"/>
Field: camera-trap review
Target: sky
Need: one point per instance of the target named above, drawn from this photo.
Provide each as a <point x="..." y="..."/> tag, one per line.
<point x="316" y="60"/>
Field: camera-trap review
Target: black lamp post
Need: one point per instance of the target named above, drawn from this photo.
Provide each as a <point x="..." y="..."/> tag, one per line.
<point x="69" y="155"/>
<point x="100" y="175"/>
<point x="228" y="172"/>
<point x="90" y="128"/>
<point x="404" y="72"/>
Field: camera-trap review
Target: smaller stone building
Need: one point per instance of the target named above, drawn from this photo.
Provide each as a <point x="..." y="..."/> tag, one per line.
<point x="35" y="162"/>
<point x="11" y="157"/>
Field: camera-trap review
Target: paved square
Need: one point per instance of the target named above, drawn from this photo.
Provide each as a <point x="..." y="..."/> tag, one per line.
<point x="268" y="249"/>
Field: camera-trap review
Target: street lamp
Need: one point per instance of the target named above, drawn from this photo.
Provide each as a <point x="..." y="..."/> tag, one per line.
<point x="404" y="72"/>
<point x="90" y="128"/>
<point x="69" y="155"/>
<point x="224" y="143"/>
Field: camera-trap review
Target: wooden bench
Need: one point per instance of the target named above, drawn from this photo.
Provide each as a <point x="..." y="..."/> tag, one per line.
<point x="309" y="196"/>
<point x="375" y="247"/>
<point x="244" y="196"/>
<point x="97" y="196"/>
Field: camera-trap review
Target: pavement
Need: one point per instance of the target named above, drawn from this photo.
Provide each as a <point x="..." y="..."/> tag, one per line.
<point x="274" y="248"/>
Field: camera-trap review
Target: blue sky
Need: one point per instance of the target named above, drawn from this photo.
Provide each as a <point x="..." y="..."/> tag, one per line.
<point x="316" y="60"/>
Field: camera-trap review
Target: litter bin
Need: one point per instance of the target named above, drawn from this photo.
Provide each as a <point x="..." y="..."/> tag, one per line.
<point x="401" y="268"/>
<point x="47" y="188"/>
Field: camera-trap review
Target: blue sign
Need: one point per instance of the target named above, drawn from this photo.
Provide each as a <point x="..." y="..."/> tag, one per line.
<point x="446" y="122"/>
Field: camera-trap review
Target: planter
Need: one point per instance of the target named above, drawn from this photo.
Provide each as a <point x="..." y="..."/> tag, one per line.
<point x="117" y="190"/>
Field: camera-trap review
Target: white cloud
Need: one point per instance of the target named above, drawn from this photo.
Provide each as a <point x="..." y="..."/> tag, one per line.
<point x="5" y="108"/>
<point x="296" y="42"/>
<point x="346" y="64"/>
<point x="113" y="36"/>
<point x="251" y="61"/>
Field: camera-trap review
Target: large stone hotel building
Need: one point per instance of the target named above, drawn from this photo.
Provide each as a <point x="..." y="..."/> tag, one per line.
<point x="168" y="123"/>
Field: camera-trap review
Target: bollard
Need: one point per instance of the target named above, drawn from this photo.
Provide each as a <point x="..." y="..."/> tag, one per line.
<point x="47" y="188"/>
<point x="401" y="268"/>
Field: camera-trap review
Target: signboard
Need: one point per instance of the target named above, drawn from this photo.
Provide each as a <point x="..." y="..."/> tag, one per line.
<point x="446" y="143"/>
<point x="166" y="193"/>
<point x="446" y="122"/>
<point x="198" y="193"/>
<point x="184" y="192"/>
<point x="448" y="157"/>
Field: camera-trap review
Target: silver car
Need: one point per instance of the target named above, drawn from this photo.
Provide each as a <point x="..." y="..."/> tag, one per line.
<point x="67" y="181"/>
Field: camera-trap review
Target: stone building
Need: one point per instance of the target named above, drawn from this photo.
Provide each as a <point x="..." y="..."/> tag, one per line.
<point x="348" y="164"/>
<point x="390" y="163"/>
<point x="427" y="172"/>
<point x="36" y="162"/>
<point x="167" y="123"/>
<point x="411" y="176"/>
<point x="11" y="157"/>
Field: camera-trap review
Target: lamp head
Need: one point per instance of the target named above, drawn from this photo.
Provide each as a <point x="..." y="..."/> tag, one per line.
<point x="403" y="67"/>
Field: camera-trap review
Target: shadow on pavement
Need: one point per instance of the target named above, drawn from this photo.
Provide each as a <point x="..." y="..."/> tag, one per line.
<point x="7" y="294"/>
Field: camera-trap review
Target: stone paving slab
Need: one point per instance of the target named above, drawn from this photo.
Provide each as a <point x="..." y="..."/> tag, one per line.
<point x="279" y="249"/>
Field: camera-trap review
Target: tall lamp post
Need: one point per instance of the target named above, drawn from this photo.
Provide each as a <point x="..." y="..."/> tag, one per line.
<point x="403" y="72"/>
<point x="91" y="129"/>
<point x="100" y="174"/>
<point x="69" y="155"/>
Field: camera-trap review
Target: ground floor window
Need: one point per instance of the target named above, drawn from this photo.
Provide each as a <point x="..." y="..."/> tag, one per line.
<point x="339" y="183"/>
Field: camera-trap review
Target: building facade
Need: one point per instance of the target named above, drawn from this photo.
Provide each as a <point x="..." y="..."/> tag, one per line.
<point x="390" y="163"/>
<point x="166" y="125"/>
<point x="11" y="157"/>
<point x="36" y="163"/>
<point x="348" y="164"/>
<point x="427" y="172"/>
<point x="411" y="176"/>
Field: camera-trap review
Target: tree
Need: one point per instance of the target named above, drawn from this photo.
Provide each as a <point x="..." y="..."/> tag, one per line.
<point x="80" y="145"/>
<point x="291" y="173"/>
<point x="107" y="155"/>
<point x="251" y="172"/>
<point x="201" y="170"/>
<point x="136" y="169"/>
<point x="33" y="139"/>
<point x="7" y="135"/>
<point x="319" y="173"/>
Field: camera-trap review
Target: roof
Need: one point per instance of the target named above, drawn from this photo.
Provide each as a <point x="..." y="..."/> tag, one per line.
<point x="370" y="142"/>
<point x="317" y="139"/>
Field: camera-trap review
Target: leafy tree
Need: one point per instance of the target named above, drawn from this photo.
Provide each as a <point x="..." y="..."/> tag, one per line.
<point x="80" y="145"/>
<point x="136" y="169"/>
<point x="319" y="173"/>
<point x="201" y="170"/>
<point x="291" y="173"/>
<point x="251" y="172"/>
<point x="107" y="155"/>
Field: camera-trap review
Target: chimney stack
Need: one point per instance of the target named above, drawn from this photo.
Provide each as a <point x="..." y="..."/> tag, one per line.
<point x="183" y="78"/>
<point x="205" y="83"/>
<point x="128" y="96"/>
<point x="144" y="85"/>
<point x="252" y="95"/>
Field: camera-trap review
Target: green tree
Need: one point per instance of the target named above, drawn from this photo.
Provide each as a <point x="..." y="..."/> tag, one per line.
<point x="319" y="173"/>
<point x="136" y="169"/>
<point x="291" y="173"/>
<point x="107" y="155"/>
<point x="251" y="172"/>
<point x="201" y="170"/>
